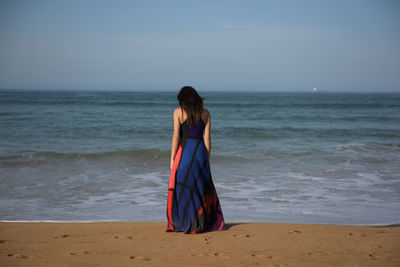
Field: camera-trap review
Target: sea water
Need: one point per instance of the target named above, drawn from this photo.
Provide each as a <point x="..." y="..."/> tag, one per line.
<point x="330" y="158"/>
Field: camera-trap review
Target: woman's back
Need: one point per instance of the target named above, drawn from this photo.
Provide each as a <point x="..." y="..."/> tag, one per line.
<point x="195" y="131"/>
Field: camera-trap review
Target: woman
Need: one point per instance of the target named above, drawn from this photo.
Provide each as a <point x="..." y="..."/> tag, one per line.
<point x="193" y="205"/>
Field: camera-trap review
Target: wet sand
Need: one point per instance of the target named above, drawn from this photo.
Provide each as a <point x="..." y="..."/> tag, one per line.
<point x="240" y="244"/>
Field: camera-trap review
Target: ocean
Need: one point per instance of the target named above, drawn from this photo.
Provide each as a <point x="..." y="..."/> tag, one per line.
<point x="328" y="158"/>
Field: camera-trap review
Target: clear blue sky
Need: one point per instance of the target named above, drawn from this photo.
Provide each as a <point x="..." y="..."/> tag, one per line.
<point x="212" y="45"/>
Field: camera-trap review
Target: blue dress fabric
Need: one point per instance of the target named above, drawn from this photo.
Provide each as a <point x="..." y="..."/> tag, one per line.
<point x="193" y="205"/>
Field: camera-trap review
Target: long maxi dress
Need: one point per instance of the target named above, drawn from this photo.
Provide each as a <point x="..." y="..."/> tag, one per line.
<point x="193" y="205"/>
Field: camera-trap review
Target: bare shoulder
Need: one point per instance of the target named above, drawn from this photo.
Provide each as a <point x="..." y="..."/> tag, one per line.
<point x="206" y="115"/>
<point x="177" y="112"/>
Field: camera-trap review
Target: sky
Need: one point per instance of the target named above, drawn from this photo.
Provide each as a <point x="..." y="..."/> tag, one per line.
<point x="212" y="45"/>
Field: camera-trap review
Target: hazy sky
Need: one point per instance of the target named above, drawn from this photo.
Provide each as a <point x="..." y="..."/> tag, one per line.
<point x="212" y="45"/>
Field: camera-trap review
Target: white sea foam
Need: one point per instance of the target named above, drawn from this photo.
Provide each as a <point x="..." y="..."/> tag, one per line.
<point x="98" y="157"/>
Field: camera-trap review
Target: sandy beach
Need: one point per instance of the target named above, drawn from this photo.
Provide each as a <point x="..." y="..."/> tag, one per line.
<point x="240" y="244"/>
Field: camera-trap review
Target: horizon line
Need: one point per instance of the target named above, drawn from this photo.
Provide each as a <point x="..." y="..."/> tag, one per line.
<point x="200" y="90"/>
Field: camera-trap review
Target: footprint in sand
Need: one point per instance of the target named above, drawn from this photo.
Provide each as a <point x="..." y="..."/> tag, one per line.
<point x="257" y="255"/>
<point x="274" y="257"/>
<point x="261" y="255"/>
<point x="321" y="252"/>
<point x="221" y="255"/>
<point x="62" y="236"/>
<point x="372" y="257"/>
<point x="209" y="240"/>
<point x="128" y="237"/>
<point x="137" y="258"/>
<point x="200" y="255"/>
<point x="242" y="235"/>
<point x="87" y="252"/>
<point x="19" y="256"/>
<point x="357" y="234"/>
<point x="142" y="258"/>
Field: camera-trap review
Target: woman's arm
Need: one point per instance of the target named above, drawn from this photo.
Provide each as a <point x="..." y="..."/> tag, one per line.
<point x="207" y="135"/>
<point x="175" y="137"/>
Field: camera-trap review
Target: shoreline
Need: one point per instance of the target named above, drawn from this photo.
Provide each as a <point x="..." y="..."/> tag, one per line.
<point x="238" y="222"/>
<point x="241" y="243"/>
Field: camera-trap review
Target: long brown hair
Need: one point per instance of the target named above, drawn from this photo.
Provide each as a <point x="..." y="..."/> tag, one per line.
<point x="191" y="103"/>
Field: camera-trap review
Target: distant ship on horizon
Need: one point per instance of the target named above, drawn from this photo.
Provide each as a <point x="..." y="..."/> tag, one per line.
<point x="315" y="89"/>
